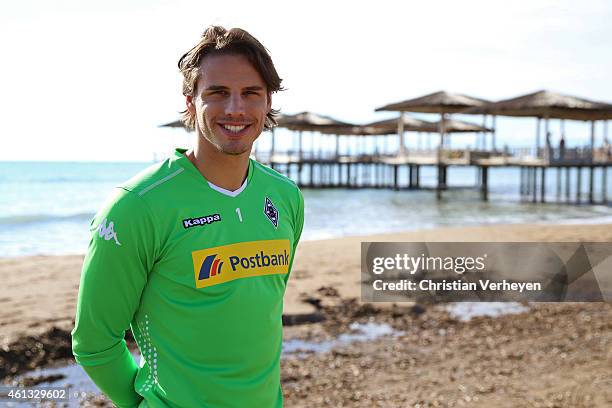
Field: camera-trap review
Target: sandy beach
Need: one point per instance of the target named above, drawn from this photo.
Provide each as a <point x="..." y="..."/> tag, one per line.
<point x="554" y="355"/>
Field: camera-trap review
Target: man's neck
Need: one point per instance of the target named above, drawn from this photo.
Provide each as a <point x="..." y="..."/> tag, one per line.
<point x="223" y="170"/>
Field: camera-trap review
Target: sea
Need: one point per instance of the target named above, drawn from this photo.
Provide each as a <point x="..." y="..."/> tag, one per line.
<point x="46" y="207"/>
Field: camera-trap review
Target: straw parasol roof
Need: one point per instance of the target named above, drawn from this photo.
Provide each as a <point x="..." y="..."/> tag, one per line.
<point x="438" y="102"/>
<point x="547" y="104"/>
<point x="410" y="124"/>
<point x="459" y="126"/>
<point x="175" y="124"/>
<point x="389" y="127"/>
<point x="308" y="121"/>
<point x="299" y="121"/>
<point x="356" y="130"/>
<point x="418" y="125"/>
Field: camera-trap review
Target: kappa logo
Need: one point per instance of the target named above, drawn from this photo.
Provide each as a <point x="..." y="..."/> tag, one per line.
<point x="271" y="212"/>
<point x="200" y="221"/>
<point x="210" y="267"/>
<point x="108" y="231"/>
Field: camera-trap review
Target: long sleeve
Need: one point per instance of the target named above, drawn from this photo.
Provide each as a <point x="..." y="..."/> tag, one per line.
<point x="120" y="255"/>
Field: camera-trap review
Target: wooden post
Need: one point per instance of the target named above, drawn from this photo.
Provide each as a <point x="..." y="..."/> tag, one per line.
<point x="480" y="136"/>
<point x="604" y="185"/>
<point x="543" y="186"/>
<point x="527" y="182"/>
<point x="592" y="138"/>
<point x="337" y="152"/>
<point x="591" y="183"/>
<point x="578" y="183"/>
<point x="484" y="186"/>
<point x="440" y="181"/>
<point x="311" y="181"/>
<point x="537" y="152"/>
<point x="442" y="130"/>
<point x="558" y="184"/>
<point x="395" y="186"/>
<point x="444" y="174"/>
<point x="338" y="174"/>
<point x="547" y="140"/>
<point x="347" y="182"/>
<point x="400" y="133"/>
<point x="567" y="184"/>
<point x="300" y="145"/>
<point x="534" y="185"/>
<point x="410" y="177"/>
<point x="493" y="127"/>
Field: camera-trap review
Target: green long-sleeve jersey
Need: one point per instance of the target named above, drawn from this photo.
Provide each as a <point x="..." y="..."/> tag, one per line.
<point x="199" y="277"/>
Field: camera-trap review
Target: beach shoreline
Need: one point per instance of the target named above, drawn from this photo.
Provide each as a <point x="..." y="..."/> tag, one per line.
<point x="41" y="291"/>
<point x="513" y="366"/>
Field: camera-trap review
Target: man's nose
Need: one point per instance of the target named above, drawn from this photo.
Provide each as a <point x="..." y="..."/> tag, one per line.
<point x="235" y="105"/>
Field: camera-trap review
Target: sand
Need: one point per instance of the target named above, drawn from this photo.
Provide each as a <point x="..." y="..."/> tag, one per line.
<point x="40" y="292"/>
<point x="554" y="355"/>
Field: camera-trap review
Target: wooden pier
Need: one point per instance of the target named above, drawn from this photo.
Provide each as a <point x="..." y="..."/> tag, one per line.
<point x="403" y="172"/>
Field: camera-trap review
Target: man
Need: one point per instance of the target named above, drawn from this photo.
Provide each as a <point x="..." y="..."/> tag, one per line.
<point x="194" y="253"/>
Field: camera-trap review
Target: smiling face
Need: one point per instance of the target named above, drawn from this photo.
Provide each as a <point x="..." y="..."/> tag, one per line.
<point x="230" y="104"/>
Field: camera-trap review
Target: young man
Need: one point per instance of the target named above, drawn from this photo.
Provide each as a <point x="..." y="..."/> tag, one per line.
<point x="194" y="253"/>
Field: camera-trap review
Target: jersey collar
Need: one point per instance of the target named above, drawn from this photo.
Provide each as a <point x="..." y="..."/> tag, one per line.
<point x="183" y="161"/>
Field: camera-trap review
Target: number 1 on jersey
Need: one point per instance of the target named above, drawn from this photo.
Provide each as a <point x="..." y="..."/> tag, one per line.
<point x="239" y="214"/>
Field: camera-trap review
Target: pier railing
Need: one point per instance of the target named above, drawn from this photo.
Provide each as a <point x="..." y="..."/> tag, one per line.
<point x="507" y="156"/>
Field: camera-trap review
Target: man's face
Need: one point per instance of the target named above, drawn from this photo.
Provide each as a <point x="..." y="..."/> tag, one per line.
<point x="230" y="103"/>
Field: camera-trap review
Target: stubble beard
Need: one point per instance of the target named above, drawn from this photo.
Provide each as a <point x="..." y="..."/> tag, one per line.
<point x="233" y="148"/>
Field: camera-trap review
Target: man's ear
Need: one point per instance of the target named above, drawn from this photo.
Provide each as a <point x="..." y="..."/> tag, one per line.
<point x="269" y="101"/>
<point x="189" y="103"/>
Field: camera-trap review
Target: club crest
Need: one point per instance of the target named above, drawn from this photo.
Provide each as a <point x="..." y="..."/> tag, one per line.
<point x="271" y="212"/>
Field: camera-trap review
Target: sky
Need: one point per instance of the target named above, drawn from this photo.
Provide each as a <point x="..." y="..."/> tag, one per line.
<point x="91" y="81"/>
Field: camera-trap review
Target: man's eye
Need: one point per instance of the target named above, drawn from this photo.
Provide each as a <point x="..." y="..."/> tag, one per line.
<point x="251" y="93"/>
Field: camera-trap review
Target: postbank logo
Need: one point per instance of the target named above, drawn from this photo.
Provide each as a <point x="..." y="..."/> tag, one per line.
<point x="221" y="264"/>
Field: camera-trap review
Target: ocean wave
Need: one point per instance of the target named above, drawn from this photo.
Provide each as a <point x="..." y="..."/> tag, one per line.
<point x="44" y="218"/>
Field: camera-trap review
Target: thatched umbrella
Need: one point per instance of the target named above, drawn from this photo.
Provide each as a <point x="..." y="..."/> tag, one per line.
<point x="460" y="126"/>
<point x="439" y="102"/>
<point x="546" y="104"/>
<point x="399" y="125"/>
<point x="310" y="121"/>
<point x="409" y="124"/>
<point x="549" y="105"/>
<point x="417" y="125"/>
<point x="175" y="124"/>
<point x="389" y="127"/>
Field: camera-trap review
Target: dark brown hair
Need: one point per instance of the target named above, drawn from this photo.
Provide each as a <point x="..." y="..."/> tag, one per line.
<point x="217" y="40"/>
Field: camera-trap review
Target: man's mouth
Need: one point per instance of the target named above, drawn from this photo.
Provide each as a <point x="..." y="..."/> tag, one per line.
<point x="235" y="129"/>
